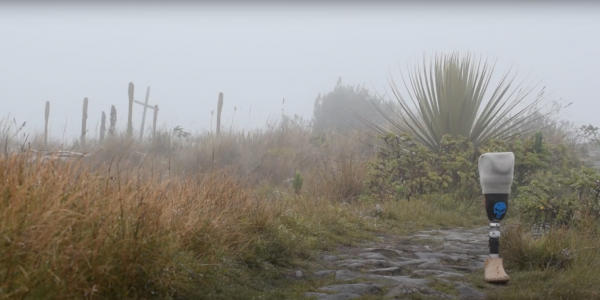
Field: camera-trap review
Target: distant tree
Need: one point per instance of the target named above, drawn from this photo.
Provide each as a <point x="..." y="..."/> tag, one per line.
<point x="339" y="108"/>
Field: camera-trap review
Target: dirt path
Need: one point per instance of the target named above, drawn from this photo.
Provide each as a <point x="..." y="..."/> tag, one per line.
<point x="428" y="265"/>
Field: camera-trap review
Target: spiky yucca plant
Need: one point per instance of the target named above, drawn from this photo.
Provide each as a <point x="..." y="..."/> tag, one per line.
<point x="450" y="96"/>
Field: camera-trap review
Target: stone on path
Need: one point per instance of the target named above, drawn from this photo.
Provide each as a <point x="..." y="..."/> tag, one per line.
<point x="387" y="263"/>
<point x="385" y="271"/>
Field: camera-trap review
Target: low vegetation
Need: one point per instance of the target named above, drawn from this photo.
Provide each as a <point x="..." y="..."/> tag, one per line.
<point x="233" y="215"/>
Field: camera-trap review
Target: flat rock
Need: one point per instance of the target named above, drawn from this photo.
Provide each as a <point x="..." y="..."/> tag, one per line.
<point x="355" y="288"/>
<point x="434" y="265"/>
<point x="384" y="271"/>
<point x="400" y="279"/>
<point x="427" y="255"/>
<point x="357" y="263"/>
<point x="403" y="259"/>
<point x="436" y="273"/>
<point x="388" y="252"/>
<point x="373" y="255"/>
<point x="412" y="262"/>
<point x="458" y="251"/>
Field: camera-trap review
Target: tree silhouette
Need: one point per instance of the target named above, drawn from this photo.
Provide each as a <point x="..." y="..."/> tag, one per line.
<point x="338" y="109"/>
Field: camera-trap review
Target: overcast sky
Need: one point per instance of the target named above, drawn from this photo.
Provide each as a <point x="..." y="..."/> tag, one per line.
<point x="258" y="55"/>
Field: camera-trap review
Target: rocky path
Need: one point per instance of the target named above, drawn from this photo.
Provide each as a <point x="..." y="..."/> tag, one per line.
<point x="428" y="265"/>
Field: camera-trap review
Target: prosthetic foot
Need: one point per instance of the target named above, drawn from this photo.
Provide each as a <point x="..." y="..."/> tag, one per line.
<point x="496" y="176"/>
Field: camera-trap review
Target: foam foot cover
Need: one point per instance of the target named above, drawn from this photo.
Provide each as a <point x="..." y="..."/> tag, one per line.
<point x="494" y="271"/>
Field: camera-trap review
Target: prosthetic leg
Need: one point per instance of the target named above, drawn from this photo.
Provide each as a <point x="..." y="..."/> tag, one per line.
<point x="496" y="175"/>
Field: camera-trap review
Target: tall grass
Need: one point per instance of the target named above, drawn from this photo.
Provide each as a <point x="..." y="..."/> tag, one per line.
<point x="122" y="232"/>
<point x="562" y="264"/>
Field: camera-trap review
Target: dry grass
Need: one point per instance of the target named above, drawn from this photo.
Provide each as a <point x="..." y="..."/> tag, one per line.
<point x="184" y="222"/>
<point x="71" y="233"/>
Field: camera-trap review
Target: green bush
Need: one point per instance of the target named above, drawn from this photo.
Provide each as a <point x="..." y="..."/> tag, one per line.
<point x="560" y="199"/>
<point x="404" y="168"/>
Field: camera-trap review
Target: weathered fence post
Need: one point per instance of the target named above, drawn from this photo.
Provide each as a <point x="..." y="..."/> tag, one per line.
<point x="147" y="106"/>
<point x="113" y="121"/>
<point x="154" y="121"/>
<point x="219" y="110"/>
<point x="130" y="116"/>
<point x="83" y="122"/>
<point x="102" y="127"/>
<point x="144" y="114"/>
<point x="47" y="114"/>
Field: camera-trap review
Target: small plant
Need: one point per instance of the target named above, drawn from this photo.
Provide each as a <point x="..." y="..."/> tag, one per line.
<point x="297" y="182"/>
<point x="180" y="133"/>
<point x="537" y="146"/>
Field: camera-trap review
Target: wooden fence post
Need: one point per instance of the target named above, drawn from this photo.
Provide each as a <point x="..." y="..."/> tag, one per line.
<point x="130" y="116"/>
<point x="102" y="127"/>
<point x="84" y="121"/>
<point x="47" y="114"/>
<point x="154" y="121"/>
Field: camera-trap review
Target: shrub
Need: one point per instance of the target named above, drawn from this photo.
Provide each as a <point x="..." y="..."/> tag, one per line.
<point x="559" y="199"/>
<point x="402" y="167"/>
<point x="405" y="168"/>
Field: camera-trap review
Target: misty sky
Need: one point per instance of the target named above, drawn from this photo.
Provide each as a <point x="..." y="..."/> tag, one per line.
<point x="258" y="55"/>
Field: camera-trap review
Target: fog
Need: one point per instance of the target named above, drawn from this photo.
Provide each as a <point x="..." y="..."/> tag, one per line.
<point x="258" y="55"/>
